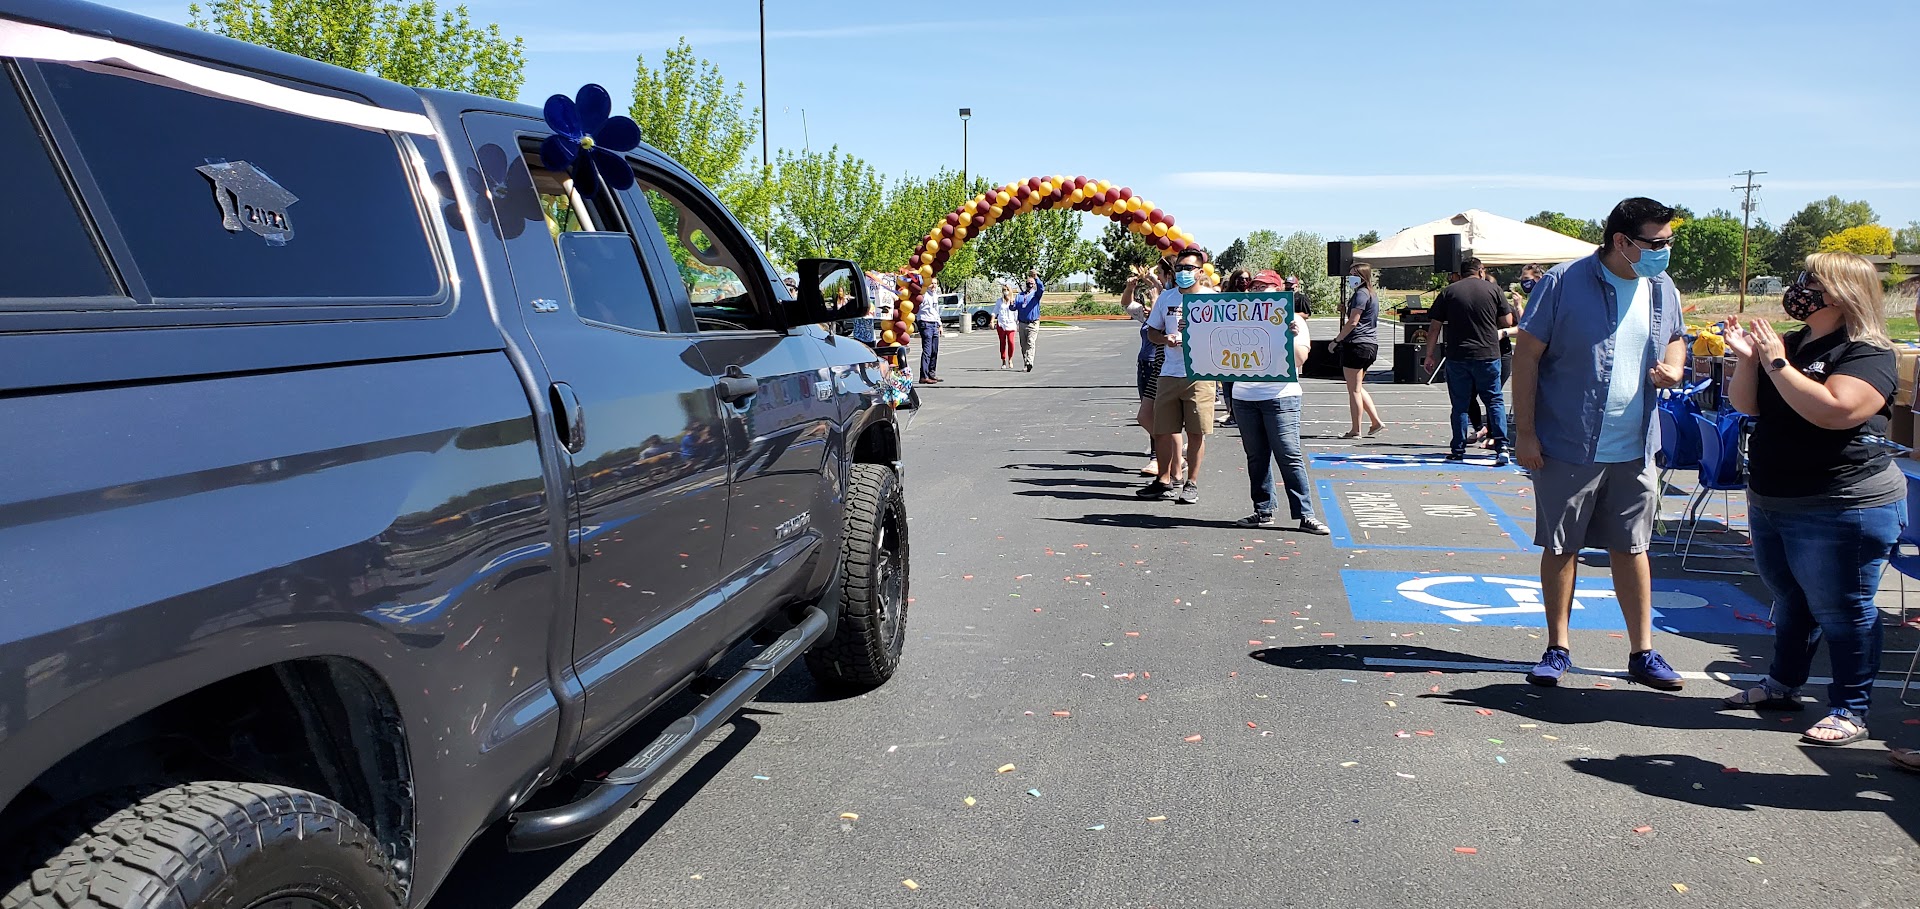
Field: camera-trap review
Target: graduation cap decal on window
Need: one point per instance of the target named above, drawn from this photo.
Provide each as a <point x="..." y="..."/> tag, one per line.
<point x="250" y="200"/>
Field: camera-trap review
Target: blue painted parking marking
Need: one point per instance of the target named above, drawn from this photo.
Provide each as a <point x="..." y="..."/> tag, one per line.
<point x="1680" y="606"/>
<point x="1385" y="514"/>
<point x="1479" y="462"/>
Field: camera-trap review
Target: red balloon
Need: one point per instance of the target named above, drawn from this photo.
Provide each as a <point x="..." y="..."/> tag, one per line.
<point x="953" y="217"/>
<point x="1167" y="220"/>
<point x="1033" y="182"/>
<point x="1102" y="198"/>
<point x="946" y="243"/>
<point x="1079" y="182"/>
<point x="1156" y="215"/>
<point x="979" y="220"/>
<point x="946" y="230"/>
<point x="1163" y="242"/>
<point x="1125" y="192"/>
<point x="1083" y="205"/>
<point x="914" y="263"/>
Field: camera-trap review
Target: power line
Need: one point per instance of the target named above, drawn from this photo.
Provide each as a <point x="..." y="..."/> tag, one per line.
<point x="1746" y="221"/>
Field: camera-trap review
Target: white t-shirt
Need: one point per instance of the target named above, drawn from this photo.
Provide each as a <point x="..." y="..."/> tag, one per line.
<point x="1274" y="391"/>
<point x="1165" y="318"/>
<point x="1003" y="315"/>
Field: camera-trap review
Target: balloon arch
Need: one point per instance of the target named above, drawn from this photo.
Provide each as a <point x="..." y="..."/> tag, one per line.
<point x="1117" y="203"/>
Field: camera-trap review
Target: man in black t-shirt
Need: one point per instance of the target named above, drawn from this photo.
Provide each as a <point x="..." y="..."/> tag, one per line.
<point x="1470" y="314"/>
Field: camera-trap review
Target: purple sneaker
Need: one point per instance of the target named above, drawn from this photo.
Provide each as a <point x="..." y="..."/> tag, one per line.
<point x="1553" y="664"/>
<point x="1649" y="668"/>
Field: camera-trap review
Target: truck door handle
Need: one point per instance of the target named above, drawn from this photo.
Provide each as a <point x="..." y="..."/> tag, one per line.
<point x="736" y="386"/>
<point x="568" y="418"/>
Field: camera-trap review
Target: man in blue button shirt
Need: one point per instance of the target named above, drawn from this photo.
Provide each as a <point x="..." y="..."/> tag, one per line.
<point x="1599" y="335"/>
<point x="1026" y="309"/>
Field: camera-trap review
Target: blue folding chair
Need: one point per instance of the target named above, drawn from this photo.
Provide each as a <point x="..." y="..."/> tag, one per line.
<point x="1720" y="472"/>
<point x="1679" y="450"/>
<point x="1905" y="562"/>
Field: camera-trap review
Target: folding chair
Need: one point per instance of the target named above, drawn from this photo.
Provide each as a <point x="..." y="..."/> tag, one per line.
<point x="1720" y="472"/>
<point x="1905" y="562"/>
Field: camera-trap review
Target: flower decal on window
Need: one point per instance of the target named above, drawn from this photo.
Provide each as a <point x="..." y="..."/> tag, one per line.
<point x="588" y="142"/>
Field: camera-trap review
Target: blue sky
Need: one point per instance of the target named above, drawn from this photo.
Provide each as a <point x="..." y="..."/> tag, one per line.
<point x="1326" y="116"/>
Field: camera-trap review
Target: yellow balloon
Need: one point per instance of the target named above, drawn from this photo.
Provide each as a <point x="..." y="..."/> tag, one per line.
<point x="926" y="271"/>
<point x="1058" y="180"/>
<point x="1033" y="198"/>
<point x="1003" y="198"/>
<point x="994" y="213"/>
<point x="1047" y="187"/>
<point x="1159" y="230"/>
<point x="886" y="337"/>
<point x="959" y="235"/>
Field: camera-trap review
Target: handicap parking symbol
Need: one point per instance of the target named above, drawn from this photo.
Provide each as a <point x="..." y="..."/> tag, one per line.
<point x="1679" y="606"/>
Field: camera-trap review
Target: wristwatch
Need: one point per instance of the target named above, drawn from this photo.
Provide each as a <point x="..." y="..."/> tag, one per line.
<point x="1779" y="363"/>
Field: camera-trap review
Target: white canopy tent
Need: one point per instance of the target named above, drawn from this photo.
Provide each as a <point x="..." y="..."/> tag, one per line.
<point x="1494" y="240"/>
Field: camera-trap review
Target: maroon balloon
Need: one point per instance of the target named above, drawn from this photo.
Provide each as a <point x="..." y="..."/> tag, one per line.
<point x="1033" y="182"/>
<point x="953" y="217"/>
<point x="1079" y="182"/>
<point x="946" y="243"/>
<point x="1167" y="220"/>
<point x="1102" y="198"/>
<point x="1125" y="192"/>
<point x="979" y="220"/>
<point x="1156" y="215"/>
<point x="914" y="263"/>
<point x="1163" y="242"/>
<point x="946" y="230"/>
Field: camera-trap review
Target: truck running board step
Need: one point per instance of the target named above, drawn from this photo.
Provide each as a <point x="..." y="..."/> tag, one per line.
<point x="624" y="787"/>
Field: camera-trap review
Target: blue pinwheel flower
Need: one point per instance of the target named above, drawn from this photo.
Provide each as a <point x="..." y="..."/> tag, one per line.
<point x="587" y="142"/>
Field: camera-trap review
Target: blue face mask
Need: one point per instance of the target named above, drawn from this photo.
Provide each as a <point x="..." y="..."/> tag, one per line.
<point x="1184" y="279"/>
<point x="1526" y="284"/>
<point x="1652" y="262"/>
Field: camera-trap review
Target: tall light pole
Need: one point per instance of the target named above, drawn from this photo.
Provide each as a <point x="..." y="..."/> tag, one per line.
<point x="1746" y="217"/>
<point x="766" y="237"/>
<point x="966" y="113"/>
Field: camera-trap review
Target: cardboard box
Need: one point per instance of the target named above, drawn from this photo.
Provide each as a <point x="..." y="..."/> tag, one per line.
<point x="1909" y="357"/>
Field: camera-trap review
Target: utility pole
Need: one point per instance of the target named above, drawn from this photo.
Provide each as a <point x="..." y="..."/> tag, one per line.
<point x="1746" y="223"/>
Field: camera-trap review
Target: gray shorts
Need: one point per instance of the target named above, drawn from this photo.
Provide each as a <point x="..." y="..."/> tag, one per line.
<point x="1594" y="506"/>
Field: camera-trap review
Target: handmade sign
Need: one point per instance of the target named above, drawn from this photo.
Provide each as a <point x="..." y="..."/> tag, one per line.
<point x="1240" y="337"/>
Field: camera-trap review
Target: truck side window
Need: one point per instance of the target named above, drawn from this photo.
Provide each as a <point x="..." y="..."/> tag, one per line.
<point x="224" y="203"/>
<point x="710" y="265"/>
<point x="48" y="250"/>
<point x="597" y="254"/>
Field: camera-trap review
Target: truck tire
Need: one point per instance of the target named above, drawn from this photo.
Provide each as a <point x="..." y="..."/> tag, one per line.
<point x="981" y="321"/>
<point x="873" y="590"/>
<point x="215" y="845"/>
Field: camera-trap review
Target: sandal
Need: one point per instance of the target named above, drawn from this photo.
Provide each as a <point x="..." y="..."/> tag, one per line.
<point x="1905" y="759"/>
<point x="1852" y="730"/>
<point x="1350" y="435"/>
<point x="1760" y="697"/>
<point x="1376" y="430"/>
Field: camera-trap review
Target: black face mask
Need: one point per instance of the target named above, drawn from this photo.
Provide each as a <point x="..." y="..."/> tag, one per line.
<point x="1801" y="301"/>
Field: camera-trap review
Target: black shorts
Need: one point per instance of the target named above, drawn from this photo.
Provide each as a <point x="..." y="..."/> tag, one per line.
<point x="1358" y="356"/>
<point x="1146" y="377"/>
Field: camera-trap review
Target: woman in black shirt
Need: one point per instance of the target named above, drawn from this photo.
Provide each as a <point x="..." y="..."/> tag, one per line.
<point x="1826" y="505"/>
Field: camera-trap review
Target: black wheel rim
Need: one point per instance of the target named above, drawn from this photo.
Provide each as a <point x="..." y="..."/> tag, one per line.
<point x="893" y="581"/>
<point x="293" y="902"/>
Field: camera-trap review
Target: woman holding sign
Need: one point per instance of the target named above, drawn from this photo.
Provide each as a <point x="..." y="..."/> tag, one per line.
<point x="1269" y="418"/>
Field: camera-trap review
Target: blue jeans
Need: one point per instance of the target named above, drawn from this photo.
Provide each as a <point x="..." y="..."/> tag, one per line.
<point x="1470" y="379"/>
<point x="929" y="353"/>
<point x="1270" y="430"/>
<point x="1823" y="568"/>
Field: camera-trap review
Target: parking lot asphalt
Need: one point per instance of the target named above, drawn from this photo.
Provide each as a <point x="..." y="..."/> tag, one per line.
<point x="1113" y="703"/>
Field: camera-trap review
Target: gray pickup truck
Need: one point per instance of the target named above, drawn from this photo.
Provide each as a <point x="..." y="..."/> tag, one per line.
<point x="363" y="476"/>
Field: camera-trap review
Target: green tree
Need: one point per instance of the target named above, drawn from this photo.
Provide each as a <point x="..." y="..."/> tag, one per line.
<point x="1706" y="252"/>
<point x="1365" y="240"/>
<point x="1906" y="240"/>
<point x="1762" y="240"/>
<point x="1263" y="251"/>
<point x="826" y="203"/>
<point x="1800" y="236"/>
<point x="914" y="206"/>
<point x="414" y="43"/>
<point x="1590" y="231"/>
<point x="1304" y="255"/>
<point x="1865" y="240"/>
<point x="1124" y="251"/>
<point x="684" y="109"/>
<point x="1048" y="241"/>
<point x="1234" y="256"/>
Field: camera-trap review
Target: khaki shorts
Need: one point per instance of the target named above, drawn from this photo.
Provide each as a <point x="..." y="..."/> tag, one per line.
<point x="1182" y="405"/>
<point x="1594" y="506"/>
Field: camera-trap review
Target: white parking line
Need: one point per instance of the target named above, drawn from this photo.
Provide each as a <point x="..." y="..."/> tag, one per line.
<point x="1393" y="663"/>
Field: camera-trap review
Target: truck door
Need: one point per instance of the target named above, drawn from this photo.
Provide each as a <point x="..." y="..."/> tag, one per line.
<point x="783" y="491"/>
<point x="639" y="416"/>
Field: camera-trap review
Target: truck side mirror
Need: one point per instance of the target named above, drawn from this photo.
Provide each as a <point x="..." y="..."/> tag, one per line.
<point x="830" y="290"/>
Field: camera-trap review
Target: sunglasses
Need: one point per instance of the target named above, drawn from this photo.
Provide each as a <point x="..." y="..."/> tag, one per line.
<point x="1187" y="267"/>
<point x="1653" y="244"/>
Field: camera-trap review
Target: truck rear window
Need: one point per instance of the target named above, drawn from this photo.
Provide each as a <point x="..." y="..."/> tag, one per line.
<point x="224" y="202"/>
<point x="47" y="253"/>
